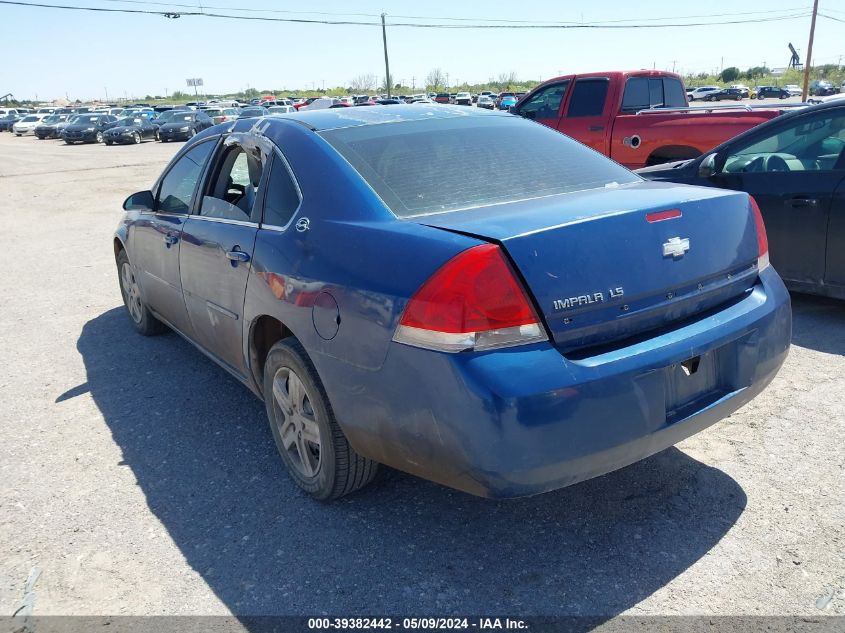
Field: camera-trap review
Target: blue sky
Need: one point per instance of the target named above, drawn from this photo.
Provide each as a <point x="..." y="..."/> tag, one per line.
<point x="81" y="54"/>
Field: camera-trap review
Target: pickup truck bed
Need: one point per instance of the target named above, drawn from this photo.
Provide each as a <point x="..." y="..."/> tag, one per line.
<point x="615" y="114"/>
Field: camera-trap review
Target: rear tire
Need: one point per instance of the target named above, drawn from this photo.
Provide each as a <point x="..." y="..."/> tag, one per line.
<point x="139" y="315"/>
<point x="312" y="445"/>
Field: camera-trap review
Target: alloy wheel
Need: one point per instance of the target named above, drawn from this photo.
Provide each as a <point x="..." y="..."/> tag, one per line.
<point x="296" y="422"/>
<point x="131" y="293"/>
<point x="99" y="137"/>
<point x="137" y="137"/>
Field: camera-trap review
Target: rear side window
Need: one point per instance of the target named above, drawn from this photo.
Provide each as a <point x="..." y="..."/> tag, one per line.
<point x="177" y="187"/>
<point x="642" y="93"/>
<point x="674" y="95"/>
<point x="282" y="197"/>
<point x="588" y="97"/>
<point x="420" y="167"/>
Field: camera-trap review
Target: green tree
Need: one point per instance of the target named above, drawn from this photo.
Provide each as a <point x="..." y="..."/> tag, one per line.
<point x="729" y="74"/>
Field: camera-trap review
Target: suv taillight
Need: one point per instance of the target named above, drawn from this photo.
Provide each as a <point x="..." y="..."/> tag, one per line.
<point x="762" y="238"/>
<point x="473" y="302"/>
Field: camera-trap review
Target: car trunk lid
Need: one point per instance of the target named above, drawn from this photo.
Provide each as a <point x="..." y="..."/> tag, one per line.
<point x="611" y="264"/>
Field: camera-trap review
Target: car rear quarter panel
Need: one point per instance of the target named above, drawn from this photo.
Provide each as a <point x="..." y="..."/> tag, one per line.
<point x="354" y="250"/>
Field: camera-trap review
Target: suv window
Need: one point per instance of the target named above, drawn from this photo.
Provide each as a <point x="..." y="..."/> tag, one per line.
<point x="233" y="187"/>
<point x="545" y="103"/>
<point x="282" y="197"/>
<point x="588" y="97"/>
<point x="177" y="187"/>
<point x="810" y="143"/>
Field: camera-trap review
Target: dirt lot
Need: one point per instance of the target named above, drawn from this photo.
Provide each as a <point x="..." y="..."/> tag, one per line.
<point x="140" y="479"/>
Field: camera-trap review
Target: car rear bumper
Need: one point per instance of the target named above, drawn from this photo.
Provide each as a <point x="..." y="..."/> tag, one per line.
<point x="80" y="137"/>
<point x="526" y="420"/>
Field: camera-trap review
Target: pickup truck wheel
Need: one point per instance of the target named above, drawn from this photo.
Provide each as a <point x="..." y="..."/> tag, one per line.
<point x="141" y="317"/>
<point x="313" y="447"/>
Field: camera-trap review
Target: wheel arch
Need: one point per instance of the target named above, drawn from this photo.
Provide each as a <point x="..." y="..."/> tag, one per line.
<point x="668" y="153"/>
<point x="264" y="332"/>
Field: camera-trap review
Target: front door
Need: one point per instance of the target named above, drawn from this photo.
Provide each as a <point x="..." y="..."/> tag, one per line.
<point x="792" y="172"/>
<point x="216" y="252"/>
<point x="156" y="238"/>
<point x="835" y="269"/>
<point x="544" y="105"/>
<point x="587" y="114"/>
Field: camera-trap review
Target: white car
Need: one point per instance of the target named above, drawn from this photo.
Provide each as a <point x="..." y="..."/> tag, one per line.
<point x="463" y="98"/>
<point x="27" y="124"/>
<point x="700" y="92"/>
<point x="7" y="111"/>
<point x="793" y="90"/>
<point x="281" y="109"/>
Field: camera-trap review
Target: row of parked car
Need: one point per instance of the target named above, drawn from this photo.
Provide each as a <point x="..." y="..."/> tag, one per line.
<point x="125" y="125"/>
<point x="737" y="92"/>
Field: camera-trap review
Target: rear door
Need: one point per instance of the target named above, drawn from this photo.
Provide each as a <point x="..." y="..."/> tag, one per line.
<point x="217" y="247"/>
<point x="588" y="113"/>
<point x="835" y="268"/>
<point x="792" y="171"/>
<point x="155" y="239"/>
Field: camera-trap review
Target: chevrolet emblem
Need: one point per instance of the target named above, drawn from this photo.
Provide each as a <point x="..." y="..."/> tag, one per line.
<point x="675" y="247"/>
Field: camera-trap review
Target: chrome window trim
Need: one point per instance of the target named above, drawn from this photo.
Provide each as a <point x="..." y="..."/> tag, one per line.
<point x="205" y="218"/>
<point x="278" y="155"/>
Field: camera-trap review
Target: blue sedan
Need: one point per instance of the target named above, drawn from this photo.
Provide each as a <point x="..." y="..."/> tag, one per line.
<point x="397" y="300"/>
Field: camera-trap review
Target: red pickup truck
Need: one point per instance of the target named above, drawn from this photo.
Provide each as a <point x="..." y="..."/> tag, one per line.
<point x="614" y="113"/>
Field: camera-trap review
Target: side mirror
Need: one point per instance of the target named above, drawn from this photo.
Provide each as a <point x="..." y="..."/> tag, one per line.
<point x="707" y="167"/>
<point x="512" y="110"/>
<point x="141" y="201"/>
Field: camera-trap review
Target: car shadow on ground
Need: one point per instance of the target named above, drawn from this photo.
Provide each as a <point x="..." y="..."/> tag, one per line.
<point x="202" y="452"/>
<point x="818" y="323"/>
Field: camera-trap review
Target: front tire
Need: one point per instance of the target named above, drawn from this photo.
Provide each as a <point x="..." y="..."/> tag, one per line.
<point x="99" y="137"/>
<point x="139" y="315"/>
<point x="137" y="138"/>
<point x="312" y="445"/>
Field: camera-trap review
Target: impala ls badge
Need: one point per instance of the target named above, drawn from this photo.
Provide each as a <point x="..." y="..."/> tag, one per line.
<point x="675" y="247"/>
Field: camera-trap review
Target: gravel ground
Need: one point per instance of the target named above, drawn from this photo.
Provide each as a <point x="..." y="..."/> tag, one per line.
<point x="138" y="478"/>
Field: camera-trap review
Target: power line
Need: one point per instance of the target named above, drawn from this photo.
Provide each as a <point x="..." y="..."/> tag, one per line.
<point x="454" y="19"/>
<point x="535" y="26"/>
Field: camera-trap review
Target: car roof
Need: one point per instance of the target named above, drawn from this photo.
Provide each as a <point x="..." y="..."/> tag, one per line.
<point x="330" y="119"/>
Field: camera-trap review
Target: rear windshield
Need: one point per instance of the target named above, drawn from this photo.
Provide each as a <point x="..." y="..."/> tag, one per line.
<point x="439" y="165"/>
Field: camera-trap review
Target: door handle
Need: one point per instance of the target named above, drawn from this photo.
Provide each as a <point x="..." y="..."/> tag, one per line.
<point x="170" y="240"/>
<point x="596" y="128"/>
<point x="802" y="201"/>
<point x="237" y="256"/>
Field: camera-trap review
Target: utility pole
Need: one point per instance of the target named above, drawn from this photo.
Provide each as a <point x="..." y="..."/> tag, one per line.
<point x="414" y="81"/>
<point x="386" y="62"/>
<point x="809" y="52"/>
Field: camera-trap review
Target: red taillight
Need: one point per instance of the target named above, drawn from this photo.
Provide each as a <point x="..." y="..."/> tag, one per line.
<point x="474" y="301"/>
<point x="762" y="238"/>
